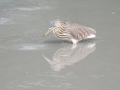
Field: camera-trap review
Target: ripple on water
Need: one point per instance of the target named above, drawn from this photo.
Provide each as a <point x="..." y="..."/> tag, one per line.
<point x="31" y="47"/>
<point x="24" y="47"/>
<point x="4" y="21"/>
<point x="32" y="8"/>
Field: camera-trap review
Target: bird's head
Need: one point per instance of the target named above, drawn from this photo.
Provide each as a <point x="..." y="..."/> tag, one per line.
<point x="54" y="24"/>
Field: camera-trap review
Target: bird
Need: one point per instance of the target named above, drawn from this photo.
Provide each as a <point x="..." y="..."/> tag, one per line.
<point x="70" y="31"/>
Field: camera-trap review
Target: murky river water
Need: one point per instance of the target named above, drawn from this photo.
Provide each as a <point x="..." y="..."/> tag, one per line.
<point x="30" y="63"/>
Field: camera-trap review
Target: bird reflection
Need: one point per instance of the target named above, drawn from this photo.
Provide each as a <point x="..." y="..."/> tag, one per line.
<point x="69" y="55"/>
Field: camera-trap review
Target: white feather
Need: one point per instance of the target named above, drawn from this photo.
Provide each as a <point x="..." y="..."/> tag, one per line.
<point x="91" y="36"/>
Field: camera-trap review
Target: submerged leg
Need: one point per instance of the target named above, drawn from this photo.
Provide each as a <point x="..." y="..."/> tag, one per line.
<point x="74" y="41"/>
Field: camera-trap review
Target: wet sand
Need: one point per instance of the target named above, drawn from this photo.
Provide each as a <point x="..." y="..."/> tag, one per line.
<point x="29" y="62"/>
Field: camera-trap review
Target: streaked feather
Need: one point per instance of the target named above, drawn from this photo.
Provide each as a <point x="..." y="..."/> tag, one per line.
<point x="71" y="31"/>
<point x="79" y="32"/>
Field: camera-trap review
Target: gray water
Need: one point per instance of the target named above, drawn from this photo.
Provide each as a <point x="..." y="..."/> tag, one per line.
<point x="28" y="62"/>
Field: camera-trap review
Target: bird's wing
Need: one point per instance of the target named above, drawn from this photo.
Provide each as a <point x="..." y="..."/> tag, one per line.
<point x="79" y="31"/>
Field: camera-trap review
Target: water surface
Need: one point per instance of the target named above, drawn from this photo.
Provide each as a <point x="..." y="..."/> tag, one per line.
<point x="29" y="62"/>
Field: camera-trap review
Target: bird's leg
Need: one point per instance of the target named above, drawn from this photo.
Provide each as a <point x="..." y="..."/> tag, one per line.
<point x="74" y="41"/>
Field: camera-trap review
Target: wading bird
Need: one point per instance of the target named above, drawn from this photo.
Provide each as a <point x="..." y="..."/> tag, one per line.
<point x="70" y="31"/>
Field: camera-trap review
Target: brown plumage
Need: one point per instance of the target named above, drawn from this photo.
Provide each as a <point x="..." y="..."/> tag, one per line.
<point x="71" y="31"/>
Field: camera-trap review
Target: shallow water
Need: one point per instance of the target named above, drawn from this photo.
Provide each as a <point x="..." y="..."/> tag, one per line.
<point x="29" y="62"/>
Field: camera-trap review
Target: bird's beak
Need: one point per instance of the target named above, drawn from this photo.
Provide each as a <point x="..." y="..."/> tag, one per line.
<point x="49" y="30"/>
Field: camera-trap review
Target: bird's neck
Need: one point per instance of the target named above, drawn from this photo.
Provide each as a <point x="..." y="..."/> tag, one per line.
<point x="62" y="27"/>
<point x="59" y="30"/>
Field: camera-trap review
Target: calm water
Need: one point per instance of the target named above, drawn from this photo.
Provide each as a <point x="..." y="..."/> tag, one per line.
<point x="29" y="63"/>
